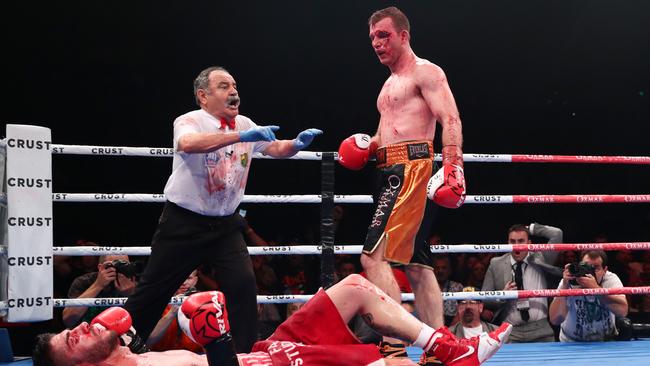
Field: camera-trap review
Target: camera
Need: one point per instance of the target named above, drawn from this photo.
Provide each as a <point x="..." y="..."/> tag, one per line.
<point x="581" y="269"/>
<point x="126" y="268"/>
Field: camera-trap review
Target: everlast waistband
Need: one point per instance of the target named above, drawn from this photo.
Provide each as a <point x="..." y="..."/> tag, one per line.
<point x="403" y="152"/>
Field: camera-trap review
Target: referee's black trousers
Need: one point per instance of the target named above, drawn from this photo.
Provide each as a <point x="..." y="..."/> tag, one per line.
<point x="183" y="241"/>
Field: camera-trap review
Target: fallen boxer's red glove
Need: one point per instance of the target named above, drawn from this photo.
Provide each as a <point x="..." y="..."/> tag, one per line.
<point x="119" y="320"/>
<point x="447" y="187"/>
<point x="114" y="318"/>
<point x="355" y="151"/>
<point x="203" y="317"/>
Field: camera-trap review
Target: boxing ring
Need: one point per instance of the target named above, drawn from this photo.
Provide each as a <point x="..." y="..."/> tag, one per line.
<point x="627" y="353"/>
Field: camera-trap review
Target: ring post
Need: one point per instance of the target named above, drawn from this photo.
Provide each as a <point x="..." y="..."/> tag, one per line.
<point x="29" y="223"/>
<point x="327" y="221"/>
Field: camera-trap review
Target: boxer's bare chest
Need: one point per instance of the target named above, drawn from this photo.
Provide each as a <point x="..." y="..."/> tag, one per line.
<point x="405" y="114"/>
<point x="176" y="358"/>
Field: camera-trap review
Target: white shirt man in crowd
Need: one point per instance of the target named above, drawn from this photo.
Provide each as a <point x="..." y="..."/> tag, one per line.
<point x="588" y="318"/>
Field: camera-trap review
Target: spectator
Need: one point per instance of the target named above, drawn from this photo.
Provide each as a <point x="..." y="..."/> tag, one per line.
<point x="345" y="268"/>
<point x="464" y="268"/>
<point x="476" y="275"/>
<point x="442" y="269"/>
<point x="105" y="282"/>
<point x="67" y="268"/>
<point x="293" y="307"/>
<point x="167" y="335"/>
<point x="521" y="270"/>
<point x="588" y="318"/>
<point x="469" y="318"/>
<point x="294" y="280"/>
<point x="298" y="274"/>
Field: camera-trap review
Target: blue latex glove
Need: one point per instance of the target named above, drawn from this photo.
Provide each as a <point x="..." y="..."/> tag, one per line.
<point x="305" y="138"/>
<point x="259" y="133"/>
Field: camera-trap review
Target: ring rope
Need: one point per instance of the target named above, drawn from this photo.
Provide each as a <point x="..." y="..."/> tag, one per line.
<point x="315" y="198"/>
<point x="312" y="155"/>
<point x="452" y="296"/>
<point x="159" y="197"/>
<point x="153" y="152"/>
<point x="356" y="249"/>
<point x="142" y="250"/>
<point x="553" y="247"/>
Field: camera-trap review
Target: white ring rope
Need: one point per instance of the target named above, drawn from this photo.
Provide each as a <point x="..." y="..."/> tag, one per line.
<point x="312" y="155"/>
<point x="340" y="198"/>
<point x="452" y="296"/>
<point x="279" y="250"/>
<point x="356" y="249"/>
<point x="153" y="152"/>
<point x="554" y="247"/>
<point x="159" y="197"/>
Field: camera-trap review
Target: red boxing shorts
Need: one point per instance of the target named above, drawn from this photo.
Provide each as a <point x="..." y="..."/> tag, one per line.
<point x="404" y="169"/>
<point x="316" y="335"/>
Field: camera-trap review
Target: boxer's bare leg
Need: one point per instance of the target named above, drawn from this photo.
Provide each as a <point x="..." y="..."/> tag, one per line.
<point x="428" y="298"/>
<point x="380" y="273"/>
<point x="356" y="295"/>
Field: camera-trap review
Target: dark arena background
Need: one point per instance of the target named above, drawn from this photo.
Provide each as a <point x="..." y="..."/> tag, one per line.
<point x="529" y="77"/>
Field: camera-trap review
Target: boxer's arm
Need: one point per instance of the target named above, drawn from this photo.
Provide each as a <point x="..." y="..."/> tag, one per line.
<point x="433" y="85"/>
<point x="447" y="187"/>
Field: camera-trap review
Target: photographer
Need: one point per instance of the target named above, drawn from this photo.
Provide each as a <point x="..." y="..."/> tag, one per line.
<point x="115" y="277"/>
<point x="588" y="318"/>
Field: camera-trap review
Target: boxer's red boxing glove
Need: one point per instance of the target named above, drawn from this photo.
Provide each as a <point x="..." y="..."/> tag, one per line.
<point x="355" y="151"/>
<point x="114" y="318"/>
<point x="447" y="187"/>
<point x="119" y="320"/>
<point x="203" y="317"/>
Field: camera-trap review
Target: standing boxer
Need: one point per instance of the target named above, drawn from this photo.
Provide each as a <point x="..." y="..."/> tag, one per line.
<point x="412" y="100"/>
